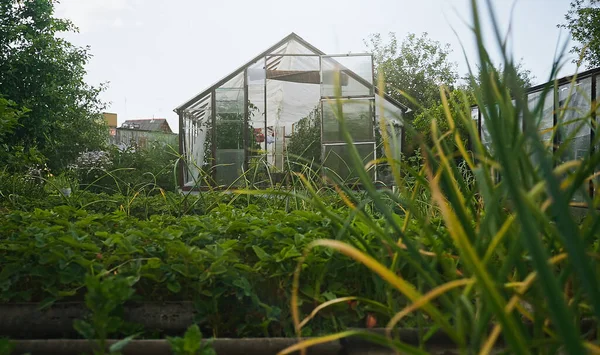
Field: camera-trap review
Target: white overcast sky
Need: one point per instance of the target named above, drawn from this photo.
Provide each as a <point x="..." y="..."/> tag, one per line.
<point x="156" y="54"/>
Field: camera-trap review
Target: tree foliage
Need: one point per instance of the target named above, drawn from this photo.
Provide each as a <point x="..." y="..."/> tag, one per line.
<point x="524" y="76"/>
<point x="583" y="22"/>
<point x="459" y="100"/>
<point x="417" y="66"/>
<point x="9" y="119"/>
<point x="44" y="73"/>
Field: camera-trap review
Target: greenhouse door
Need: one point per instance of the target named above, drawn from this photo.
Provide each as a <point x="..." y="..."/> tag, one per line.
<point x="349" y="79"/>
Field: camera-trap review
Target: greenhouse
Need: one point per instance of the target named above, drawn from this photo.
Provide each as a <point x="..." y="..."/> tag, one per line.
<point x="565" y="105"/>
<point x="275" y="114"/>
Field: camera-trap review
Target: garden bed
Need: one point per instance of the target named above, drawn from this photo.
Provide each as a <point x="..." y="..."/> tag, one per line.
<point x="50" y="331"/>
<point x="250" y="346"/>
<point x="27" y="321"/>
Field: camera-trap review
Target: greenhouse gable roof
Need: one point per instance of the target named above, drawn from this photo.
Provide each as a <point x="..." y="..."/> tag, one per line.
<point x="311" y="50"/>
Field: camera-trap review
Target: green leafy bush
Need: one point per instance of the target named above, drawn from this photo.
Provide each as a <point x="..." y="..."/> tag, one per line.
<point x="515" y="252"/>
<point x="228" y="260"/>
<point x="191" y="343"/>
<point x="105" y="298"/>
<point x="130" y="169"/>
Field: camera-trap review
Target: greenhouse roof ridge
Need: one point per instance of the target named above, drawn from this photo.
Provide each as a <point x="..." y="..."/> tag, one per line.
<point x="565" y="79"/>
<point x="291" y="36"/>
<point x="560" y="81"/>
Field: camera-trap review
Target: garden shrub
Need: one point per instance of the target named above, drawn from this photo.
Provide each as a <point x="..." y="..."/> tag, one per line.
<point x="128" y="169"/>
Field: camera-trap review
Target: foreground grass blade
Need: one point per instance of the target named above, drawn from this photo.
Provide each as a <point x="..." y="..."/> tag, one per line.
<point x="372" y="337"/>
<point x="400" y="284"/>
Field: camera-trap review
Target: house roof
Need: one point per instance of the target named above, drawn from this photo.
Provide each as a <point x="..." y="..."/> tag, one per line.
<point x="151" y="124"/>
<point x="291" y="36"/>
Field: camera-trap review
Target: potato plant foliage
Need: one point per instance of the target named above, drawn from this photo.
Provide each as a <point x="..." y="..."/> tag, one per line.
<point x="234" y="263"/>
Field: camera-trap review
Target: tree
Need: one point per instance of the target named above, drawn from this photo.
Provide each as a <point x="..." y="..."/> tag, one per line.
<point x="526" y="79"/>
<point x="418" y="66"/>
<point x="583" y="21"/>
<point x="14" y="156"/>
<point x="459" y="100"/>
<point x="44" y="74"/>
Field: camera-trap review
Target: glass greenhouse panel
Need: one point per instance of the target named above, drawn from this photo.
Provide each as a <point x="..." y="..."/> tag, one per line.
<point x="230" y="134"/>
<point x="230" y="103"/>
<point x="575" y="129"/>
<point x="358" y="115"/>
<point x="256" y="106"/>
<point x="230" y="164"/>
<point x="293" y="47"/>
<point x="304" y="143"/>
<point x="545" y="122"/>
<point x="230" y="151"/>
<point x="486" y="138"/>
<point x="236" y="82"/>
<point x="520" y="118"/>
<point x="354" y="74"/>
<point x="197" y="142"/>
<point x="294" y="69"/>
<point x="229" y="130"/>
<point x="337" y="159"/>
<point x="475" y="117"/>
<point x="256" y="73"/>
<point x="394" y="140"/>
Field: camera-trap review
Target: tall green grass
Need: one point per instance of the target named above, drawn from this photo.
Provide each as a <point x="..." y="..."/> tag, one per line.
<point x="516" y="263"/>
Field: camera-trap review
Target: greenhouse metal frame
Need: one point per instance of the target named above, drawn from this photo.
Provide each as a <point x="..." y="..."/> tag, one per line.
<point x="250" y="116"/>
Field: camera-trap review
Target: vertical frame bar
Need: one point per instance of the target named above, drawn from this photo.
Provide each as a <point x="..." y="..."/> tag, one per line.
<point x="593" y="129"/>
<point x="479" y="123"/>
<point x="266" y="115"/>
<point x="556" y="138"/>
<point x="213" y="132"/>
<point x="180" y="168"/>
<point x="373" y="76"/>
<point x="525" y="108"/>
<point x="245" y="136"/>
<point x="374" y="124"/>
<point x="374" y="116"/>
<point x="321" y="113"/>
<point x="322" y="129"/>
<point x="403" y="140"/>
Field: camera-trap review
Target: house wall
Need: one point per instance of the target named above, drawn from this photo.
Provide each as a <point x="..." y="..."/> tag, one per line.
<point x="111" y="119"/>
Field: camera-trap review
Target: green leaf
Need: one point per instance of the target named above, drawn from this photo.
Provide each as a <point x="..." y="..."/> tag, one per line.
<point x="329" y="296"/>
<point x="174" y="286"/>
<point x="84" y="328"/>
<point x="192" y="339"/>
<point x="291" y="252"/>
<point x="180" y="268"/>
<point x="154" y="263"/>
<point x="177" y="344"/>
<point x="6" y="346"/>
<point x="118" y="346"/>
<point x="47" y="303"/>
<point x="262" y="255"/>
